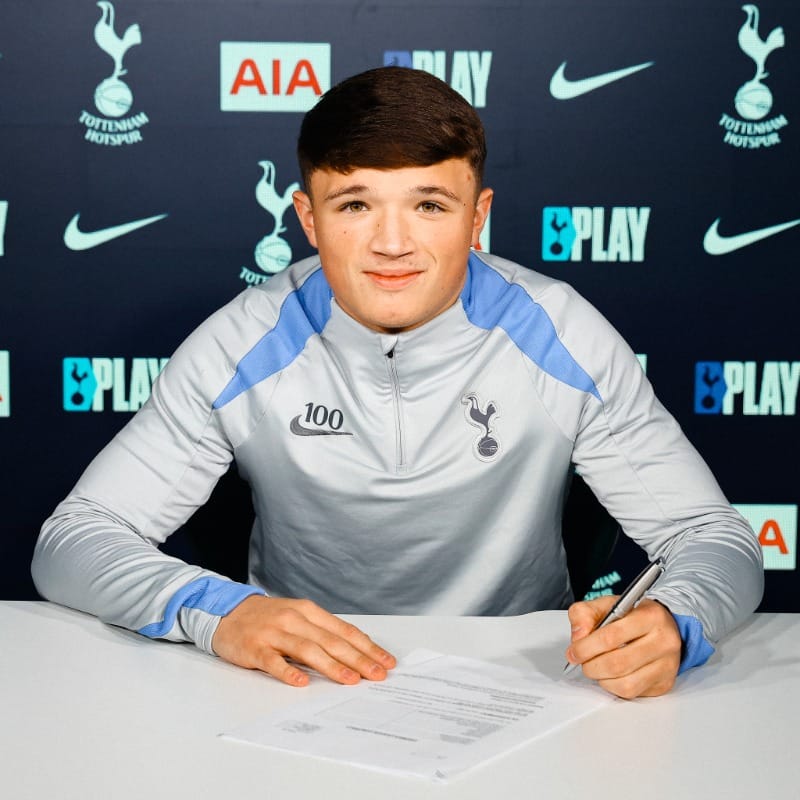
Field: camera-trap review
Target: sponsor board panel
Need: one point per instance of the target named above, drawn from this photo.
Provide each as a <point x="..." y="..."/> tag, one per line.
<point x="617" y="233"/>
<point x="114" y="384"/>
<point x="748" y="388"/>
<point x="776" y="528"/>
<point x="273" y="76"/>
<point x="467" y="71"/>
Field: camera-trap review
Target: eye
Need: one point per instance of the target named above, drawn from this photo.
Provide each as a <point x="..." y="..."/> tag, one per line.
<point x="353" y="206"/>
<point x="430" y="207"/>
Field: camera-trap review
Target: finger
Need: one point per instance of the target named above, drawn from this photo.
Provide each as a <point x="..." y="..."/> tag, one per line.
<point x="635" y="670"/>
<point x="650" y="680"/>
<point x="262" y="632"/>
<point x="648" y="617"/>
<point x="296" y="636"/>
<point x="585" y="616"/>
<point x="277" y="666"/>
<point x="309" y="652"/>
<point x="348" y="632"/>
<point x="649" y="623"/>
<point x="353" y="657"/>
<point x="620" y="661"/>
<point x="654" y="639"/>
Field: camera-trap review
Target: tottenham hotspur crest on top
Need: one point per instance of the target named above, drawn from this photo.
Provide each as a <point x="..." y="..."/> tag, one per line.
<point x="113" y="97"/>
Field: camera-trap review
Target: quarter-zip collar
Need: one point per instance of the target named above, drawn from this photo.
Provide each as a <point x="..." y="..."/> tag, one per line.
<point x="420" y="351"/>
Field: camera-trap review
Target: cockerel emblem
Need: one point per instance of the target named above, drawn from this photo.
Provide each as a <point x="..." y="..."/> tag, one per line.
<point x="486" y="445"/>
<point x="272" y="253"/>
<point x="754" y="100"/>
<point x="112" y="96"/>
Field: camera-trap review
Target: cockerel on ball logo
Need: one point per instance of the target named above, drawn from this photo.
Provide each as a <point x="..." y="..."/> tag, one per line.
<point x="486" y="445"/>
<point x="272" y="253"/>
<point x="753" y="99"/>
<point x="113" y="97"/>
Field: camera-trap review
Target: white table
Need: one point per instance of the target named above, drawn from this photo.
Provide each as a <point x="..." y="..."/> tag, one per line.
<point x="90" y="711"/>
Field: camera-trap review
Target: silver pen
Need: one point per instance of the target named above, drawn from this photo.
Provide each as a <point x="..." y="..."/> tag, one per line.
<point x="629" y="598"/>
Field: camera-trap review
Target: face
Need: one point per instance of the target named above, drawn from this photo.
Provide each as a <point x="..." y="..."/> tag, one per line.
<point x="394" y="243"/>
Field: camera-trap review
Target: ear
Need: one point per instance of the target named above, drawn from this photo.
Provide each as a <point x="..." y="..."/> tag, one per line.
<point x="305" y="213"/>
<point x="482" y="207"/>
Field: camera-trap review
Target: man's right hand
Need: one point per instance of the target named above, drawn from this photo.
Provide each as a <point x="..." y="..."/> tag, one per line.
<point x="263" y="632"/>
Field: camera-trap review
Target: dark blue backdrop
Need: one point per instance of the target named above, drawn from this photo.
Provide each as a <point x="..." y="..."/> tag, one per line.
<point x="124" y="112"/>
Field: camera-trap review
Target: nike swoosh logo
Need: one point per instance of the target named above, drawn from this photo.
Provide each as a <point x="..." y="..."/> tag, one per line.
<point x="76" y="239"/>
<point x="297" y="428"/>
<point x="716" y="245"/>
<point x="564" y="89"/>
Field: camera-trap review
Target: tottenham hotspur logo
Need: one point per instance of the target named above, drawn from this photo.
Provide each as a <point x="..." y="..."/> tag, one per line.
<point x="113" y="97"/>
<point x="272" y="253"/>
<point x="753" y="100"/>
<point x="486" y="445"/>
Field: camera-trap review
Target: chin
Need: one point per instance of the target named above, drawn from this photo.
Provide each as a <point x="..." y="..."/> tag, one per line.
<point x="391" y="324"/>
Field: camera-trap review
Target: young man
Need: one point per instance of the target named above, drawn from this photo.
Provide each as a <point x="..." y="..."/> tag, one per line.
<point x="408" y="413"/>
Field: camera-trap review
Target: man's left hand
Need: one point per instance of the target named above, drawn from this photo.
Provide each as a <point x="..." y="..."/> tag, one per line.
<point x="636" y="656"/>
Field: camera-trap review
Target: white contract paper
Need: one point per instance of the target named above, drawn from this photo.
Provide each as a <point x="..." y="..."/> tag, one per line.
<point x="434" y="717"/>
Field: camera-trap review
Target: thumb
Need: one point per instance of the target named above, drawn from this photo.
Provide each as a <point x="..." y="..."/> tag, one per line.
<point x="586" y="615"/>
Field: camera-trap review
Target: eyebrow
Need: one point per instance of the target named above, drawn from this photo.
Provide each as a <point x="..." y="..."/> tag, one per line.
<point x="431" y="190"/>
<point x="356" y="188"/>
<point x="360" y="188"/>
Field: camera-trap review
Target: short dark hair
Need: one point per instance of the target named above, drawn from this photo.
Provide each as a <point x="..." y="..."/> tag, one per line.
<point x="388" y="118"/>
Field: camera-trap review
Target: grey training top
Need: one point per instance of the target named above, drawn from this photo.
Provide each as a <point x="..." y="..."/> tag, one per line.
<point x="418" y="473"/>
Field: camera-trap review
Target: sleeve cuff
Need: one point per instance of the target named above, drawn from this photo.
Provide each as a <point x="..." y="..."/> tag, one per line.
<point x="215" y="596"/>
<point x="696" y="648"/>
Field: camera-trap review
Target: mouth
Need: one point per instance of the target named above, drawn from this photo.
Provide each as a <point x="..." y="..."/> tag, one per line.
<point x="393" y="280"/>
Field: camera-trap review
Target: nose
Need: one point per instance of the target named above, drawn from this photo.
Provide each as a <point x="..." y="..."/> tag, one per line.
<point x="391" y="234"/>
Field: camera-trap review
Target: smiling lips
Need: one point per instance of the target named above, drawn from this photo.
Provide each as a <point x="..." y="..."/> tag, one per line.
<point x="393" y="280"/>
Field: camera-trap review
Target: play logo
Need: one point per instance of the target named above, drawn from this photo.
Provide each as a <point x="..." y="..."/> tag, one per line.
<point x="776" y="528"/>
<point x="611" y="234"/>
<point x="746" y="387"/>
<point x="89" y="382"/>
<point x="467" y="71"/>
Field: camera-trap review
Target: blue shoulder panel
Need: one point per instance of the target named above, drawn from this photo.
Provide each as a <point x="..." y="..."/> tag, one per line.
<point x="304" y="312"/>
<point x="490" y="301"/>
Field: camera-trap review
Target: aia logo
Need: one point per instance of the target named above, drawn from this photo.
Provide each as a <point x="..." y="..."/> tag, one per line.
<point x="273" y="76"/>
<point x="776" y="528"/>
<point x="486" y="445"/>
